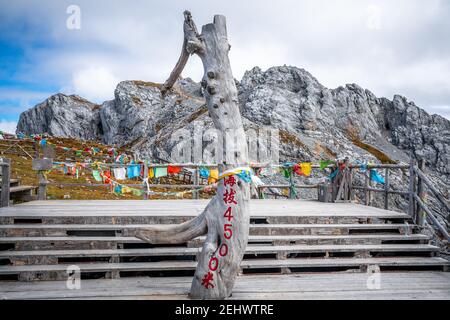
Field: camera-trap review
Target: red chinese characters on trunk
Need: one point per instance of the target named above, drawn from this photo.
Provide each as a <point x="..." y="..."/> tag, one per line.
<point x="229" y="200"/>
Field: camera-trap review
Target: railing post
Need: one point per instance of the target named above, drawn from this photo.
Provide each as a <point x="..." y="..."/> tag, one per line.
<point x="291" y="187"/>
<point x="42" y="189"/>
<point x="412" y="187"/>
<point x="386" y="189"/>
<point x="260" y="192"/>
<point x="145" y="180"/>
<point x="366" y="186"/>
<point x="196" y="182"/>
<point x="350" y="185"/>
<point x="420" y="218"/>
<point x="6" y="180"/>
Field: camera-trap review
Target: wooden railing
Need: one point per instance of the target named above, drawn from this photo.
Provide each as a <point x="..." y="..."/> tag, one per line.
<point x="416" y="195"/>
<point x="342" y="186"/>
<point x="194" y="177"/>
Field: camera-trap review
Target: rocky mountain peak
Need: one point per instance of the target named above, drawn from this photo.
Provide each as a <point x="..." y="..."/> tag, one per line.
<point x="314" y="121"/>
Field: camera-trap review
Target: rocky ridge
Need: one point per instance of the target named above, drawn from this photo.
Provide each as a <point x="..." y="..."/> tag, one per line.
<point x="314" y="122"/>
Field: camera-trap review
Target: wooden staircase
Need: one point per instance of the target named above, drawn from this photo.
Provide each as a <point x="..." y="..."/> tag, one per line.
<point x="40" y="240"/>
<point x="19" y="192"/>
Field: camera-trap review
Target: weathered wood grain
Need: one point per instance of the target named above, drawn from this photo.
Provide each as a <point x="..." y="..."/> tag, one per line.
<point x="410" y="285"/>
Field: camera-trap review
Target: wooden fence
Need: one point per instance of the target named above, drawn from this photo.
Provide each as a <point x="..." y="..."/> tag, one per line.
<point x="342" y="187"/>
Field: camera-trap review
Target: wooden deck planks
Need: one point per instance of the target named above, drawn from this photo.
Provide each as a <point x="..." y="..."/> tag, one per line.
<point x="408" y="285"/>
<point x="259" y="208"/>
<point x="173" y="251"/>
<point x="246" y="264"/>
<point x="262" y="238"/>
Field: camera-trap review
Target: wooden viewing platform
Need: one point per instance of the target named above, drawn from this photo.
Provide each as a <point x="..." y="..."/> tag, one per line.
<point x="296" y="250"/>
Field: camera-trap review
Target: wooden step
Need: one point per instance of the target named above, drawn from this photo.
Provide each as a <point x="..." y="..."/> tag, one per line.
<point x="36" y="230"/>
<point x="144" y="217"/>
<point x="30" y="243"/>
<point x="12" y="182"/>
<point x="182" y="251"/>
<point x="59" y="272"/>
<point x="18" y="189"/>
<point x="330" y="286"/>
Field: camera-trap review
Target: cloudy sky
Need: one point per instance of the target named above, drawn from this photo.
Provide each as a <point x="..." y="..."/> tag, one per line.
<point x="387" y="46"/>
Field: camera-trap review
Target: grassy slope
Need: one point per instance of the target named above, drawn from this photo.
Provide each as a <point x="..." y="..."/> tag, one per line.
<point x="21" y="168"/>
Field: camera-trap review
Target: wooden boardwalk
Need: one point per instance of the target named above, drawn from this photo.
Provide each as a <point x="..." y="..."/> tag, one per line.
<point x="413" y="285"/>
<point x="297" y="250"/>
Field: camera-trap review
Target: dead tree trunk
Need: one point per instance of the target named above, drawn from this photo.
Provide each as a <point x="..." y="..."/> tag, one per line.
<point x="225" y="219"/>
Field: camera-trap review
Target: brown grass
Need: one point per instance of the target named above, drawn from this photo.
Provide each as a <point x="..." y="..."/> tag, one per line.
<point x="136" y="100"/>
<point x="140" y="83"/>
<point x="353" y="134"/>
<point x="21" y="169"/>
<point x="288" y="138"/>
<point x="323" y="151"/>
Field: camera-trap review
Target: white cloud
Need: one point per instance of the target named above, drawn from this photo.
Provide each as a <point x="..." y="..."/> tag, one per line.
<point x="386" y="46"/>
<point x="442" y="110"/>
<point x="95" y="83"/>
<point x="8" y="126"/>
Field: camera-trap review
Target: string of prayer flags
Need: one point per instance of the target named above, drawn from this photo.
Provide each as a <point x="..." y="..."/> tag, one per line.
<point x="160" y="172"/>
<point x="119" y="173"/>
<point x="173" y="170"/>
<point x="324" y="164"/>
<point x="376" y="177"/>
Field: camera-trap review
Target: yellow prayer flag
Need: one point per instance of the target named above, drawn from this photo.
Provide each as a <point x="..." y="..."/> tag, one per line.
<point x="151" y="174"/>
<point x="214" y="173"/>
<point x="306" y="168"/>
<point x="126" y="189"/>
<point x="213" y="176"/>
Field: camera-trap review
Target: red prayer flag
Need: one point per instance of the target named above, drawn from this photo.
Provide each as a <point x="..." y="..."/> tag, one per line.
<point x="173" y="170"/>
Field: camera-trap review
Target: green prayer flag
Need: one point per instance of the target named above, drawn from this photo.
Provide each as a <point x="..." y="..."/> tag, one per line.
<point x="160" y="172"/>
<point x="287" y="171"/>
<point x="325" y="163"/>
<point x="96" y="175"/>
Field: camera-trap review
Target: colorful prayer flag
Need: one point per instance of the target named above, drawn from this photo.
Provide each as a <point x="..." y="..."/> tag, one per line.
<point x="324" y="164"/>
<point x="96" y="175"/>
<point x="160" y="172"/>
<point x="376" y="177"/>
<point x="173" y="170"/>
<point x="204" y="173"/>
